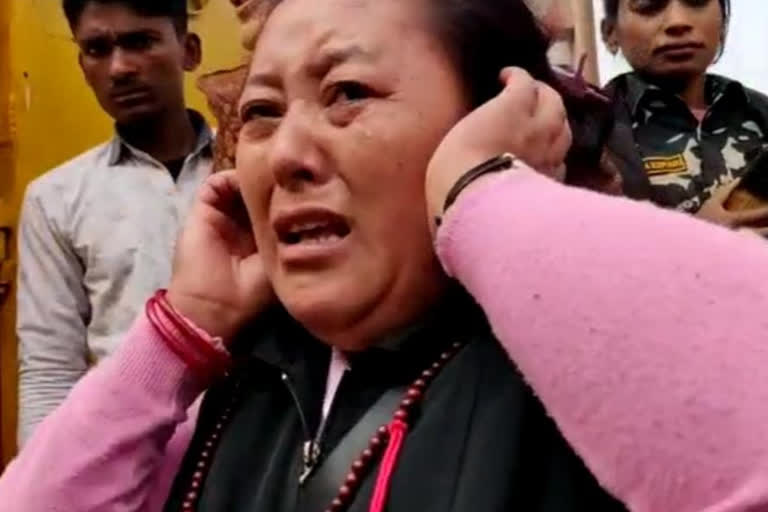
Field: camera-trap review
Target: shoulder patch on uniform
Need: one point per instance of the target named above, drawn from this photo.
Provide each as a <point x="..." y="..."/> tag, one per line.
<point x="675" y="164"/>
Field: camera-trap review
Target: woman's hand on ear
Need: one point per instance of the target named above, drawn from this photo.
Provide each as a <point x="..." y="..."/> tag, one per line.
<point x="218" y="279"/>
<point x="527" y="119"/>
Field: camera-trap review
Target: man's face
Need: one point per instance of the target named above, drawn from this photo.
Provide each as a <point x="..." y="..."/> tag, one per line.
<point x="134" y="64"/>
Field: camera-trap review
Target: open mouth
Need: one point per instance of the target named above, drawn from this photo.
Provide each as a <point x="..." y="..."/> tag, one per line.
<point x="315" y="227"/>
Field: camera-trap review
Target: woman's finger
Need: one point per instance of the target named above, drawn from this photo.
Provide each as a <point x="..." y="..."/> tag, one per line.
<point x="551" y="104"/>
<point x="547" y="134"/>
<point x="513" y="74"/>
<point x="754" y="216"/>
<point x="221" y="193"/>
<point x="220" y="189"/>
<point x="721" y="194"/>
<point x="554" y="121"/>
<point x="520" y="94"/>
<point x="561" y="145"/>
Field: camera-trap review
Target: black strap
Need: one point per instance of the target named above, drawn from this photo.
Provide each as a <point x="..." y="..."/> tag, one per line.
<point x="322" y="486"/>
<point x="498" y="163"/>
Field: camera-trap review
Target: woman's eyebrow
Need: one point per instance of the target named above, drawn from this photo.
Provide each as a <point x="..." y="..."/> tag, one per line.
<point x="329" y="59"/>
<point x="267" y="79"/>
<point x="316" y="68"/>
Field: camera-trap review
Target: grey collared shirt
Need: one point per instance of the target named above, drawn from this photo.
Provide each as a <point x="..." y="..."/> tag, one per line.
<point x="96" y="240"/>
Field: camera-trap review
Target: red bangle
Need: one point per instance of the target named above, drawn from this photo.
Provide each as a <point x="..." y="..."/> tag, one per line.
<point x="182" y="324"/>
<point x="172" y="340"/>
<point x="190" y="346"/>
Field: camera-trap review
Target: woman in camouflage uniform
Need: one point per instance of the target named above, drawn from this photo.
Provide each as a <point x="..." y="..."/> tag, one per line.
<point x="684" y="137"/>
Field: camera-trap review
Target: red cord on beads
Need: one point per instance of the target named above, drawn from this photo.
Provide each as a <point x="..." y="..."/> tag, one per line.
<point x="397" y="431"/>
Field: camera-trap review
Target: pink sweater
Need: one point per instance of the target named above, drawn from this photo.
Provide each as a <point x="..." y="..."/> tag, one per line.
<point x="643" y="331"/>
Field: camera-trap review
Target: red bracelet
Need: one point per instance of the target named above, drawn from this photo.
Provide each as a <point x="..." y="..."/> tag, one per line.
<point x="184" y="326"/>
<point x="190" y="346"/>
<point x="172" y="340"/>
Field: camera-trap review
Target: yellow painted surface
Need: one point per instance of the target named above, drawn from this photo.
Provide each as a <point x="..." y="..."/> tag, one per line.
<point x="7" y="366"/>
<point x="54" y="117"/>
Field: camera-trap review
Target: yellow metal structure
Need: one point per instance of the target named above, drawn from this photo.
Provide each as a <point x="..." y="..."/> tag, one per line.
<point x="48" y="115"/>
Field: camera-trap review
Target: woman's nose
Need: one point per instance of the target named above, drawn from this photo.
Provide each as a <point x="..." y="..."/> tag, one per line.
<point x="677" y="19"/>
<point x="295" y="157"/>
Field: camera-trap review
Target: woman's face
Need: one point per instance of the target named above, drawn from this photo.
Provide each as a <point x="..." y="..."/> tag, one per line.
<point x="345" y="103"/>
<point x="667" y="38"/>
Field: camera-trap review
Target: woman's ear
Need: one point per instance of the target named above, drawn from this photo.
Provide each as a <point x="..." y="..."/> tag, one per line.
<point x="608" y="31"/>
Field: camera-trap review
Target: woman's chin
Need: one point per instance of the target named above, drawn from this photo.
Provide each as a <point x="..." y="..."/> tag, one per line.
<point x="352" y="308"/>
<point x="334" y="318"/>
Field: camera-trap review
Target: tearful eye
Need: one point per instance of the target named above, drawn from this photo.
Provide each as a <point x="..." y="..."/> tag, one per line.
<point x="349" y="92"/>
<point x="260" y="110"/>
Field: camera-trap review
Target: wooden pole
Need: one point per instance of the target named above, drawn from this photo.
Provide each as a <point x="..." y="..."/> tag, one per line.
<point x="585" y="40"/>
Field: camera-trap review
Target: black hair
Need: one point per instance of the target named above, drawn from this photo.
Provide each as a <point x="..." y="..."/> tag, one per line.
<point x="175" y="10"/>
<point x="484" y="36"/>
<point x="612" y="12"/>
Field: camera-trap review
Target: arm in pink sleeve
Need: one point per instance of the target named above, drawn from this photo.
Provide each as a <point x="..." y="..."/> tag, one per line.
<point x="116" y="442"/>
<point x="643" y="331"/>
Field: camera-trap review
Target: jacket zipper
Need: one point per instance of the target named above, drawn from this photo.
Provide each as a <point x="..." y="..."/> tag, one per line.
<point x="311" y="448"/>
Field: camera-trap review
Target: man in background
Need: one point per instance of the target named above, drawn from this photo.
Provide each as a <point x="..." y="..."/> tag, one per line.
<point x="96" y="235"/>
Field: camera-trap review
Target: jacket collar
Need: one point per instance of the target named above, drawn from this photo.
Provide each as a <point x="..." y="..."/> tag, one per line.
<point x="281" y="342"/>
<point x="639" y="90"/>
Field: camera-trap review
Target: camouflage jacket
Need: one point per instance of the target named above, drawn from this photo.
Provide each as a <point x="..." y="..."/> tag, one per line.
<point x="666" y="155"/>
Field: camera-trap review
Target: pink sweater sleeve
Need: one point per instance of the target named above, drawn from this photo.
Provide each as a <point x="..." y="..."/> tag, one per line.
<point x="115" y="444"/>
<point x="643" y="331"/>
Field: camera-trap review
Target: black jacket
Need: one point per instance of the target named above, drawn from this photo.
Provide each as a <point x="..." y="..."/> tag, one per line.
<point x="481" y="443"/>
